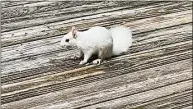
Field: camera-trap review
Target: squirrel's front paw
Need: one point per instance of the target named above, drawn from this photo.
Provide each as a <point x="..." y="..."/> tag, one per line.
<point x="76" y="58"/>
<point x="82" y="62"/>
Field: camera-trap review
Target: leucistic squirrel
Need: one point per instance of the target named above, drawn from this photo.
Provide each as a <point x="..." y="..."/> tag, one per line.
<point x="99" y="41"/>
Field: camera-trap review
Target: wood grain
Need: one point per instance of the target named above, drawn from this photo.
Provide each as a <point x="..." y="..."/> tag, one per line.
<point x="143" y="65"/>
<point x="60" y="28"/>
<point x="37" y="7"/>
<point x="129" y="78"/>
<point x="148" y="28"/>
<point x="138" y="98"/>
<point x="155" y="73"/>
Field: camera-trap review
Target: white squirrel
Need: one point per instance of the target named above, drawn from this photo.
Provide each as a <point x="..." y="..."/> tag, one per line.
<point x="99" y="41"/>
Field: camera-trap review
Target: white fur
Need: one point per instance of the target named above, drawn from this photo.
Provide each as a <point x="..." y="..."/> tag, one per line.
<point x="122" y="39"/>
<point x="101" y="41"/>
<point x="95" y="38"/>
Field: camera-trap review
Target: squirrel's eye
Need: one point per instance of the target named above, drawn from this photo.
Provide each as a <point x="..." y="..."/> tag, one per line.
<point x="67" y="40"/>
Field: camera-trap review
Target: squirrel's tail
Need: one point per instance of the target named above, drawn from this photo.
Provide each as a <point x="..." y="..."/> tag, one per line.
<point x="122" y="39"/>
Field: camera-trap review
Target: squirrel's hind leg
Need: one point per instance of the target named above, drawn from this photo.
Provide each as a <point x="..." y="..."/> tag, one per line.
<point x="81" y="55"/>
<point x="103" y="53"/>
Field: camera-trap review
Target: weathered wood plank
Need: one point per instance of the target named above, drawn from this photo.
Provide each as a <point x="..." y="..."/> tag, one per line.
<point x="45" y="26"/>
<point x="37" y="82"/>
<point x="164" y="102"/>
<point x="183" y="104"/>
<point x="39" y="7"/>
<point x="125" y="66"/>
<point x="6" y="4"/>
<point x="19" y="10"/>
<point x="79" y="12"/>
<point x="147" y="28"/>
<point x="60" y="28"/>
<point x="155" y="73"/>
<point x="138" y="98"/>
<point x="119" y="96"/>
<point x="49" y="45"/>
<point x="89" y="8"/>
<point x="58" y="64"/>
<point x="189" y="107"/>
<point x="126" y="100"/>
<point x="161" y="21"/>
<point x="132" y="77"/>
<point x="41" y="46"/>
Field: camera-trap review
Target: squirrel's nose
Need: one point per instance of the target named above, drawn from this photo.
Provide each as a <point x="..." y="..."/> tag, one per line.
<point x="61" y="44"/>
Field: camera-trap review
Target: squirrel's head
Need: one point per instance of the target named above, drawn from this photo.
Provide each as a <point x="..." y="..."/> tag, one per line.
<point x="70" y="38"/>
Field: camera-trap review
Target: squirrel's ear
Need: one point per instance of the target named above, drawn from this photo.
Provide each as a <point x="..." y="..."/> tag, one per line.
<point x="74" y="32"/>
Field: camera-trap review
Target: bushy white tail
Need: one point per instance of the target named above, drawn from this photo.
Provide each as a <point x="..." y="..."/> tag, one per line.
<point x="122" y="39"/>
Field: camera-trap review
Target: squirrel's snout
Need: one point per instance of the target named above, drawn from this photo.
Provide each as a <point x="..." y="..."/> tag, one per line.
<point x="61" y="44"/>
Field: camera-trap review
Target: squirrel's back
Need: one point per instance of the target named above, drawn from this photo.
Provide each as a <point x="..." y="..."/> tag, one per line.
<point x="120" y="38"/>
<point x="96" y="38"/>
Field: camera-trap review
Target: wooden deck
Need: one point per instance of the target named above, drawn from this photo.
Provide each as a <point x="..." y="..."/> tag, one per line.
<point x="156" y="73"/>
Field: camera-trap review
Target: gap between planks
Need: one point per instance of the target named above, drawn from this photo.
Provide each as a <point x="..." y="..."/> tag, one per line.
<point x="131" y="78"/>
<point x="143" y="30"/>
<point x="44" y="31"/>
<point x="144" y="65"/>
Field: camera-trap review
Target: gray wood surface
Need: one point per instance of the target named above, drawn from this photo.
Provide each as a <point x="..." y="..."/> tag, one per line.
<point x="156" y="73"/>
